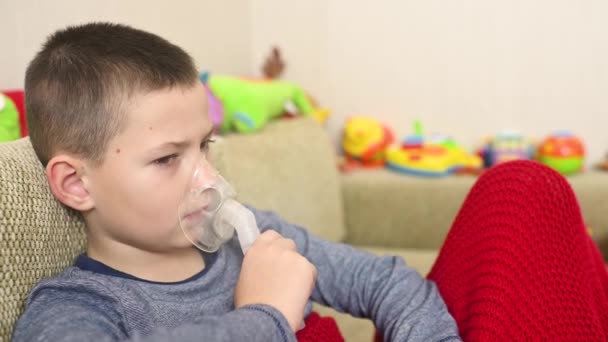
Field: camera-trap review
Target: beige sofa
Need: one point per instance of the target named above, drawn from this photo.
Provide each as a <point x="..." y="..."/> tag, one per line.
<point x="289" y="167"/>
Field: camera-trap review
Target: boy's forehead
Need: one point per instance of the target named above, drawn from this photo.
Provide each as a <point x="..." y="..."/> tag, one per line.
<point x="168" y="114"/>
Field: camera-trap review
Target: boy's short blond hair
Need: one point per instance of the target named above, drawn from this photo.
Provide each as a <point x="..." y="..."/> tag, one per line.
<point x="78" y="86"/>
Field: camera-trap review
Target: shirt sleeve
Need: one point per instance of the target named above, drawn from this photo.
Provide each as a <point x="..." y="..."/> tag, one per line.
<point x="57" y="313"/>
<point x="403" y="305"/>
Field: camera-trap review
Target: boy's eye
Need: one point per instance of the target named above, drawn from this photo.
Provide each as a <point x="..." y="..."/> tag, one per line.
<point x="166" y="160"/>
<point x="205" y="144"/>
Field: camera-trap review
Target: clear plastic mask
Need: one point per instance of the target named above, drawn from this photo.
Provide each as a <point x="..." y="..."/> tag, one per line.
<point x="209" y="214"/>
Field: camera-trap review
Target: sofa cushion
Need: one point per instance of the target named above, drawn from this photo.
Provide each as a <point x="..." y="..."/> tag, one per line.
<point x="389" y="209"/>
<point x="288" y="167"/>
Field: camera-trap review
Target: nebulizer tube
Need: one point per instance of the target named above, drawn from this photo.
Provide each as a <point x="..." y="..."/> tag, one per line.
<point x="210" y="214"/>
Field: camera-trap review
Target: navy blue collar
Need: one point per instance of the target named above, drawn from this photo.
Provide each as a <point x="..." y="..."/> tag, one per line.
<point x="85" y="263"/>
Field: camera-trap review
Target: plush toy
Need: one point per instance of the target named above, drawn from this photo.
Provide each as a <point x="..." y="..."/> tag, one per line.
<point x="604" y="164"/>
<point x="248" y="104"/>
<point x="319" y="114"/>
<point x="216" y="112"/>
<point x="10" y="128"/>
<point x="272" y="69"/>
<point x="274" y="65"/>
<point x="18" y="97"/>
<point x="364" y="141"/>
<point x="563" y="152"/>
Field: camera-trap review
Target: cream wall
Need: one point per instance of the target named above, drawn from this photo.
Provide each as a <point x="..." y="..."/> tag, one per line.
<point x="468" y="68"/>
<point x="215" y="33"/>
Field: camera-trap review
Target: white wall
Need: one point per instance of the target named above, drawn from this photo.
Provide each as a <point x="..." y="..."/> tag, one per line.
<point x="468" y="68"/>
<point x="465" y="67"/>
<point x="215" y="33"/>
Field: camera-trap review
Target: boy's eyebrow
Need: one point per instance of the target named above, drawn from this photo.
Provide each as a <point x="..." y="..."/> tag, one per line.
<point x="174" y="144"/>
<point x="208" y="135"/>
<point x="180" y="144"/>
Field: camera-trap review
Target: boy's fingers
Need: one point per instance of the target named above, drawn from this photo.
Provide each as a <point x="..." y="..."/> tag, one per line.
<point x="288" y="244"/>
<point x="269" y="235"/>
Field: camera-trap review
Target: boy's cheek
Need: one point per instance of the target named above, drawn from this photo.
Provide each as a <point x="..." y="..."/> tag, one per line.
<point x="165" y="207"/>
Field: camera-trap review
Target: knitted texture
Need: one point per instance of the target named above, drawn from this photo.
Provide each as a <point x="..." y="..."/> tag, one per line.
<point x="38" y="236"/>
<point x="518" y="264"/>
<point x="319" y="329"/>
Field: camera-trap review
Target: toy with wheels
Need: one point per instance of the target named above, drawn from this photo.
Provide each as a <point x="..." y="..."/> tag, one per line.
<point x="506" y="146"/>
<point x="439" y="156"/>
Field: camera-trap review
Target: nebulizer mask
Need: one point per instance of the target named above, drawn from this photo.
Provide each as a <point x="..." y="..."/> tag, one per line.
<point x="209" y="214"/>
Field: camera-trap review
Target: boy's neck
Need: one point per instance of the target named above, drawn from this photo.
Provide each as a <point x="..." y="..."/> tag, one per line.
<point x="159" y="267"/>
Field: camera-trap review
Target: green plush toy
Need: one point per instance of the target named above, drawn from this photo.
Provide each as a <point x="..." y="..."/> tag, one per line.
<point x="249" y="104"/>
<point x="10" y="129"/>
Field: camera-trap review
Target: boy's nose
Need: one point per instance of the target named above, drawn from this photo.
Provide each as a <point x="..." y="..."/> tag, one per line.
<point x="203" y="174"/>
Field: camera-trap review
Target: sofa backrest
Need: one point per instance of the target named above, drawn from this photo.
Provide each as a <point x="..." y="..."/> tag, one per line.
<point x="38" y="236"/>
<point x="290" y="168"/>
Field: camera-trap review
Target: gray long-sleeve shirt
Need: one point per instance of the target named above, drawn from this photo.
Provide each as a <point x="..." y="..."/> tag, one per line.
<point x="92" y="302"/>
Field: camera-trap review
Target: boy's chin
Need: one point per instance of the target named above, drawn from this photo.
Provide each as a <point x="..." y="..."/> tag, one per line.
<point x="182" y="242"/>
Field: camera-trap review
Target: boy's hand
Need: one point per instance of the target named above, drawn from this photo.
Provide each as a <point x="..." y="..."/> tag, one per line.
<point x="275" y="274"/>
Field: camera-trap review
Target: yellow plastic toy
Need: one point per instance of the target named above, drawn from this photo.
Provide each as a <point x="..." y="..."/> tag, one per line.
<point x="438" y="157"/>
<point x="365" y="141"/>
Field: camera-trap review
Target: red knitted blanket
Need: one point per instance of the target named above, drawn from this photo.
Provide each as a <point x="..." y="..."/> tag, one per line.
<point x="517" y="265"/>
<point x="319" y="329"/>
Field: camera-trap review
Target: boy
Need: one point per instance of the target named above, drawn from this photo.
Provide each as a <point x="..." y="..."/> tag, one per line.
<point x="118" y="117"/>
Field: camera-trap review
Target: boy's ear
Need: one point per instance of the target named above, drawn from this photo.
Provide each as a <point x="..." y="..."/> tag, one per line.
<point x="65" y="176"/>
